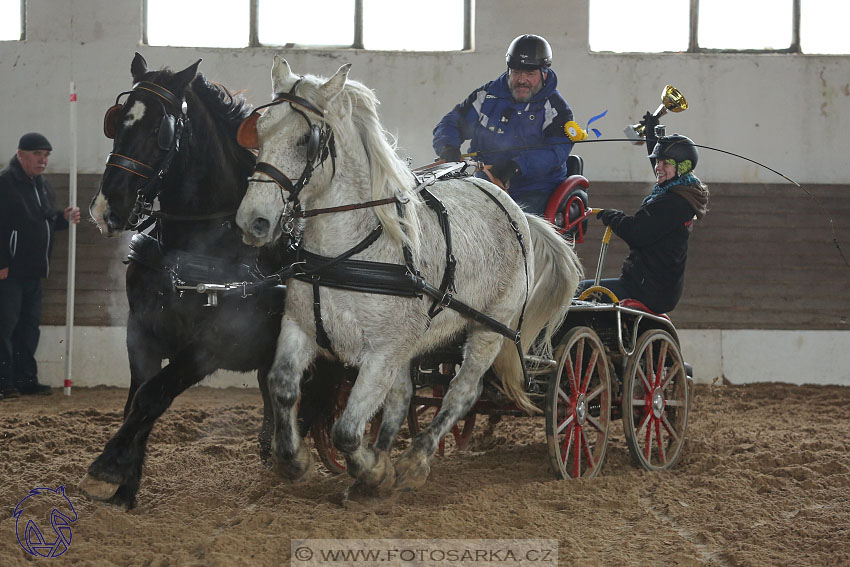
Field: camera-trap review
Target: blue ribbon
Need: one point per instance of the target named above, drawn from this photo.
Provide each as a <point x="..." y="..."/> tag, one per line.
<point x="594" y="119"/>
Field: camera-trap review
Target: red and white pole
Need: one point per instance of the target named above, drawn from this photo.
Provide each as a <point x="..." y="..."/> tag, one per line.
<point x="72" y="245"/>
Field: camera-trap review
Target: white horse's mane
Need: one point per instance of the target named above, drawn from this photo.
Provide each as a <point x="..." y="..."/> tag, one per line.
<point x="353" y="114"/>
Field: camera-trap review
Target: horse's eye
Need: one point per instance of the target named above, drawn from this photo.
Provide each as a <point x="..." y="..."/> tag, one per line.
<point x="303" y="140"/>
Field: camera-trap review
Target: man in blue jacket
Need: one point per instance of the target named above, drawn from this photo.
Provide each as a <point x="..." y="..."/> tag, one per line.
<point x="28" y="219"/>
<point x="516" y="126"/>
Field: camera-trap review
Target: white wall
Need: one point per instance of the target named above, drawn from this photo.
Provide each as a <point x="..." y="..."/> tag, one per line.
<point x="784" y="110"/>
<point x="796" y="357"/>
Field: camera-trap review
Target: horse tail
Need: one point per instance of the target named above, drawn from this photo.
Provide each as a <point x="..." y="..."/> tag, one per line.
<point x="557" y="272"/>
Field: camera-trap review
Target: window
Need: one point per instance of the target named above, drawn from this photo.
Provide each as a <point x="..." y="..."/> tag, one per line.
<point x="422" y="25"/>
<point x="11" y="20"/>
<point x="197" y="23"/>
<point x="770" y="26"/>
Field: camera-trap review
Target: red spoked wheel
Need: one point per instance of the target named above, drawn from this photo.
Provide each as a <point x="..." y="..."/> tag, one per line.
<point x="420" y="415"/>
<point x="321" y="430"/>
<point x="578" y="405"/>
<point x="655" y="401"/>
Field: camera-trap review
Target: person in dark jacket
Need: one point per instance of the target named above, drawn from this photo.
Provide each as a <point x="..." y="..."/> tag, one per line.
<point x="516" y="125"/>
<point x="28" y="219"/>
<point x="657" y="234"/>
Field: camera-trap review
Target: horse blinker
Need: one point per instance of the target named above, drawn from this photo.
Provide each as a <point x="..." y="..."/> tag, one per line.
<point x="110" y="119"/>
<point x="165" y="138"/>
<point x="247" y="136"/>
<point x="314" y="143"/>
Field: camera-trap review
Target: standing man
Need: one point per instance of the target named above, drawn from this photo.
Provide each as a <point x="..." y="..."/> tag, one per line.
<point x="28" y="219"/>
<point x="516" y="125"/>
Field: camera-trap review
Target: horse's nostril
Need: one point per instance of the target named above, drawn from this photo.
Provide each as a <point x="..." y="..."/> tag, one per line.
<point x="260" y="227"/>
<point x="112" y="221"/>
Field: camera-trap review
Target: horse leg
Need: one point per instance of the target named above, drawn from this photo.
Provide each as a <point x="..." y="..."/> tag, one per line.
<point x="371" y="466"/>
<point x="396" y="406"/>
<point x="144" y="356"/>
<point x="295" y="351"/>
<point x="116" y="474"/>
<point x="413" y="467"/>
<point x="320" y="379"/>
<point x="265" y="437"/>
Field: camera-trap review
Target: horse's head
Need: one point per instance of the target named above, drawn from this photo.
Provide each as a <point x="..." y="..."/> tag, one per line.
<point x="147" y="129"/>
<point x="293" y="138"/>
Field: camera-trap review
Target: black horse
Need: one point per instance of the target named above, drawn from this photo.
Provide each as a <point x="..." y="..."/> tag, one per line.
<point x="175" y="142"/>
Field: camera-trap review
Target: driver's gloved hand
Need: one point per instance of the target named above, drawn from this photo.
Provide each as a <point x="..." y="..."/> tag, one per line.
<point x="608" y="215"/>
<point x="450" y="153"/>
<point x="649" y="122"/>
<point x="505" y="170"/>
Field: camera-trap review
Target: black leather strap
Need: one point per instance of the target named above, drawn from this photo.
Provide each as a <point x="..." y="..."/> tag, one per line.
<point x="447" y="285"/>
<point x="276" y="175"/>
<point x="129" y="164"/>
<point x="161" y="92"/>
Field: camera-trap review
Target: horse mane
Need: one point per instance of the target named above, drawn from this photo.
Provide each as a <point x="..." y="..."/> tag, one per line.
<point x="226" y="112"/>
<point x="353" y="114"/>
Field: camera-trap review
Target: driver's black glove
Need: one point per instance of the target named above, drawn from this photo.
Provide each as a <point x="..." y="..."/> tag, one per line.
<point x="608" y="215"/>
<point x="450" y="153"/>
<point x="505" y="170"/>
<point x="649" y="123"/>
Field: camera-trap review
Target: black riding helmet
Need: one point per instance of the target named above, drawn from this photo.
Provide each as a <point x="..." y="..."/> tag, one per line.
<point x="680" y="149"/>
<point x="528" y="52"/>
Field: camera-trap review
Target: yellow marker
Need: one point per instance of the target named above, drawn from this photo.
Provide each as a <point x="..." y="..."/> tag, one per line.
<point x="574" y="132"/>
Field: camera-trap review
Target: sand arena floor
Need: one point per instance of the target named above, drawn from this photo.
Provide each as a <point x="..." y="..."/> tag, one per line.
<point x="764" y="480"/>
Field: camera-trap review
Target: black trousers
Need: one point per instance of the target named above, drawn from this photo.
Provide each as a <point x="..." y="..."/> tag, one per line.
<point x="20" y="315"/>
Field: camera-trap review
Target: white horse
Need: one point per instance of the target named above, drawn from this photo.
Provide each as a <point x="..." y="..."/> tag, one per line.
<point x="510" y="266"/>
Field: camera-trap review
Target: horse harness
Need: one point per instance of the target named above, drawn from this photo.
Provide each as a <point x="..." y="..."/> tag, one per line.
<point x="183" y="266"/>
<point x="319" y="141"/>
<point x="403" y="280"/>
<point x="173" y="125"/>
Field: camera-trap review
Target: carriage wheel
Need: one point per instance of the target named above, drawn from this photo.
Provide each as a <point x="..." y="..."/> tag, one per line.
<point x="419" y="416"/>
<point x="655" y="401"/>
<point x="578" y="405"/>
<point x="321" y="430"/>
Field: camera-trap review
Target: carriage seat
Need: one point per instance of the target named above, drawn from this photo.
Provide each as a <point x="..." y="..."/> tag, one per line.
<point x="569" y="201"/>
<point x="575" y="165"/>
<point x="636" y="304"/>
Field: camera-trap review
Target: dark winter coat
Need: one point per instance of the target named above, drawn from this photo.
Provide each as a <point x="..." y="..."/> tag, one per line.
<point x="28" y="219"/>
<point x="657" y="235"/>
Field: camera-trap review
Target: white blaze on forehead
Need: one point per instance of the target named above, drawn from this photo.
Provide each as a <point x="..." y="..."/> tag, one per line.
<point x="134" y="114"/>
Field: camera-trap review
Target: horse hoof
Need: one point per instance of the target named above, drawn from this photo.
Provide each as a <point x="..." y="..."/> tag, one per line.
<point x="380" y="479"/>
<point x="363" y="494"/>
<point x="299" y="468"/>
<point x="98" y="489"/>
<point x="412" y="471"/>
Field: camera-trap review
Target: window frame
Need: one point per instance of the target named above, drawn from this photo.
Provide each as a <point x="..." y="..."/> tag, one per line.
<point x="254" y="41"/>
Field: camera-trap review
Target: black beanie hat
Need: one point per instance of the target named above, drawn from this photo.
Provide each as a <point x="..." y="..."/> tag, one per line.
<point x="34" y="141"/>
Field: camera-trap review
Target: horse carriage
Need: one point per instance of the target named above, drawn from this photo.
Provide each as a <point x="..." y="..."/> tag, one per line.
<point x="503" y="275"/>
<point x="614" y="359"/>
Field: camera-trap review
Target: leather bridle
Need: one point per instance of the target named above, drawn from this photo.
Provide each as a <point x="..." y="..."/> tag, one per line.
<point x="320" y="146"/>
<point x="172" y="128"/>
